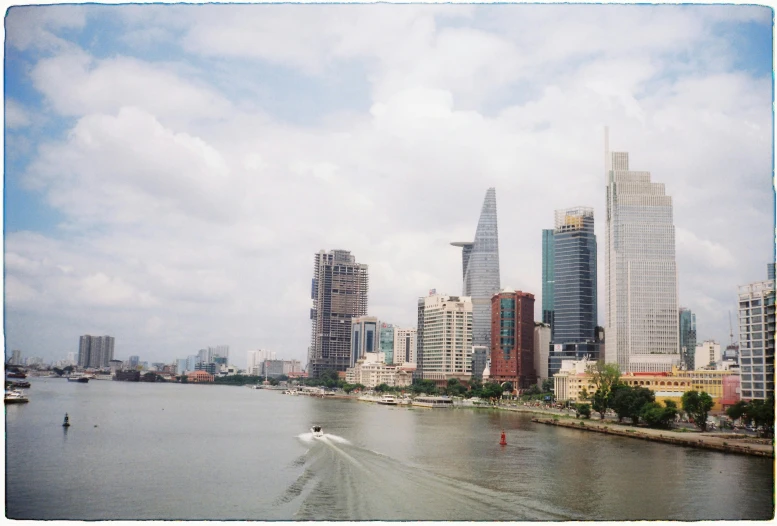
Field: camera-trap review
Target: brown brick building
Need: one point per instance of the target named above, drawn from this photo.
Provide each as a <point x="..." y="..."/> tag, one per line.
<point x="512" y="338"/>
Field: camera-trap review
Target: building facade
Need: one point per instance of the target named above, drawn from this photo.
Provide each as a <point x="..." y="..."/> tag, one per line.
<point x="640" y="270"/>
<point x="756" y="339"/>
<point x="404" y="351"/>
<point x="480" y="269"/>
<point x="512" y="338"/>
<point x="387" y="341"/>
<point x="371" y="371"/>
<point x="95" y="351"/>
<point x="255" y="361"/>
<point x="687" y="323"/>
<point x="541" y="351"/>
<point x="573" y="335"/>
<point x="548" y="276"/>
<point x="707" y="355"/>
<point x="447" y="335"/>
<point x="339" y="292"/>
<point x="365" y="337"/>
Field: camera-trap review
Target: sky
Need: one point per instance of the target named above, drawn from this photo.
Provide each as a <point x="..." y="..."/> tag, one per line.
<point x="170" y="170"/>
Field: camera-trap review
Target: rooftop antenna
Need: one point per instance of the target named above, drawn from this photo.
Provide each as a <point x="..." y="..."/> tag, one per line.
<point x="731" y="330"/>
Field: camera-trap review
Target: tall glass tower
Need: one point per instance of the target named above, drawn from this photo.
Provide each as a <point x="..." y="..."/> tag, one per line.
<point x="687" y="338"/>
<point x="547" y="276"/>
<point x="573" y="336"/>
<point x="480" y="267"/>
<point x="640" y="270"/>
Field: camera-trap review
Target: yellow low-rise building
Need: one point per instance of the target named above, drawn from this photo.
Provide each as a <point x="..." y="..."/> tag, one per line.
<point x="574" y="377"/>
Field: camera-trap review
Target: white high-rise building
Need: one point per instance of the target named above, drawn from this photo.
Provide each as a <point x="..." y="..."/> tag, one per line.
<point x="404" y="346"/>
<point x="640" y="270"/>
<point x="447" y="333"/>
<point x="255" y="361"/>
<point x="756" y="339"/>
<point x="707" y="354"/>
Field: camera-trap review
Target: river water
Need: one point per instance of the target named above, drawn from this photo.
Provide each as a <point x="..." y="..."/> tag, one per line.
<point x="171" y="451"/>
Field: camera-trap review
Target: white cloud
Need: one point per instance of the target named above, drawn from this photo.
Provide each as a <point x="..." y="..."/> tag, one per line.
<point x="195" y="224"/>
<point x="15" y="115"/>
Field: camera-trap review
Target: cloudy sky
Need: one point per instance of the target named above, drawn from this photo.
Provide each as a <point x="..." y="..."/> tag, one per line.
<point x="171" y="170"/>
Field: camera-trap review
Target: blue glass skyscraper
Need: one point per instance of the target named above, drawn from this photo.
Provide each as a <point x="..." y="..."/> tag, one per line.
<point x="574" y="288"/>
<point x="687" y="339"/>
<point x="480" y="268"/>
<point x="547" y="276"/>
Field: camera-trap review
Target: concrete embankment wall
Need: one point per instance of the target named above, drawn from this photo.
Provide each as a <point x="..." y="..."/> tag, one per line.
<point x="668" y="437"/>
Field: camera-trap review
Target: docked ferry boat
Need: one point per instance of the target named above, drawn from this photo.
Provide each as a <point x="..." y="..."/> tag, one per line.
<point x="387" y="400"/>
<point x="433" y="401"/>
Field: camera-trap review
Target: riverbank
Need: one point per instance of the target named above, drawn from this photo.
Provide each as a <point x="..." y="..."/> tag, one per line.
<point x="725" y="443"/>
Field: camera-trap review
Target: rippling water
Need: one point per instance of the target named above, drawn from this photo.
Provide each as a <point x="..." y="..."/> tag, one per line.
<point x="141" y="451"/>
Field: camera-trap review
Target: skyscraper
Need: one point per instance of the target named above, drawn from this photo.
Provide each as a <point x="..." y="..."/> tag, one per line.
<point x="512" y="338"/>
<point x="339" y="293"/>
<point x="365" y="337"/>
<point x="756" y="339"/>
<point x="447" y="334"/>
<point x="640" y="270"/>
<point x="404" y="346"/>
<point x="95" y="351"/>
<point x="480" y="270"/>
<point x="387" y="342"/>
<point x="547" y="276"/>
<point x="573" y="335"/>
<point x="687" y="339"/>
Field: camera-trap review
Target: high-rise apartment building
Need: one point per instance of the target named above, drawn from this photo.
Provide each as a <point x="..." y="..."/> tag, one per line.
<point x="512" y="338"/>
<point x="480" y="270"/>
<point x="687" y="323"/>
<point x="756" y="339"/>
<point x="365" y="337"/>
<point x="255" y="360"/>
<point x="548" y="279"/>
<point x="339" y="292"/>
<point x="541" y="350"/>
<point x="16" y="357"/>
<point x="95" y="351"/>
<point x="447" y="336"/>
<point x="640" y="270"/>
<point x="404" y="351"/>
<point x="573" y="334"/>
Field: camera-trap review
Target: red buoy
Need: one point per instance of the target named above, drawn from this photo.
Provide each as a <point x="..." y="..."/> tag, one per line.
<point x="503" y="441"/>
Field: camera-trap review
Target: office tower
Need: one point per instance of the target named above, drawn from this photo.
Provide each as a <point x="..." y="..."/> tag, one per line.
<point x="419" y="338"/>
<point x="756" y="339"/>
<point x="447" y="336"/>
<point x="134" y="361"/>
<point x="365" y="337"/>
<point x="16" y="357"/>
<point x="479" y="361"/>
<point x="640" y="270"/>
<point x="339" y="292"/>
<point x="573" y="334"/>
<point x="687" y="339"/>
<point x="95" y="351"/>
<point x="770" y="271"/>
<point x="707" y="354"/>
<point x="512" y="338"/>
<point x="541" y="348"/>
<point x="387" y="342"/>
<point x="219" y="351"/>
<point x="404" y="346"/>
<point x="480" y="270"/>
<point x="180" y="365"/>
<point x="547" y="276"/>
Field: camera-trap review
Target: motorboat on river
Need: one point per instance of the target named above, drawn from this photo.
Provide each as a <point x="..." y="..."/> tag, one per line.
<point x="15" y="397"/>
<point x="388" y="400"/>
<point x="78" y="378"/>
<point x="317" y="431"/>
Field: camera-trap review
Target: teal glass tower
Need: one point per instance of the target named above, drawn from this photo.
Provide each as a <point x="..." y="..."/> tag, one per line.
<point x="548" y="276"/>
<point x="687" y="338"/>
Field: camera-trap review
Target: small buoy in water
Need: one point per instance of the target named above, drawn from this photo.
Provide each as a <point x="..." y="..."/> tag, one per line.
<point x="503" y="441"/>
<point x="66" y="423"/>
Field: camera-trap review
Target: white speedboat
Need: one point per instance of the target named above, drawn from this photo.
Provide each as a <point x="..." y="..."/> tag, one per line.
<point x="317" y="431"/>
<point x="15" y="397"/>
<point x="387" y="400"/>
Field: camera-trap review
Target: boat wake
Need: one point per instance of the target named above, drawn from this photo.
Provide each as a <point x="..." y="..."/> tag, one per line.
<point x="342" y="481"/>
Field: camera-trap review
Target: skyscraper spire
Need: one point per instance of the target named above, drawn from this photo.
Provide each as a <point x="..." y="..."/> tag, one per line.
<point x="480" y="262"/>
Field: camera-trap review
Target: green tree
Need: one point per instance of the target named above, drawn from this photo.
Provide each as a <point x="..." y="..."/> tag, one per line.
<point x="599" y="403"/>
<point x="761" y="413"/>
<point x="547" y="385"/>
<point x="382" y="388"/>
<point x="605" y="375"/>
<point x="507" y="387"/>
<point x="348" y="388"/>
<point x="697" y="405"/>
<point x="584" y="394"/>
<point x="737" y="411"/>
<point x="584" y="410"/>
<point x="532" y="391"/>
<point x="627" y="402"/>
<point x="656" y="416"/>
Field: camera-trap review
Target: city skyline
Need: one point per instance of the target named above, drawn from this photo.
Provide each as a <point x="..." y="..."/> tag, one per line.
<point x="170" y="169"/>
